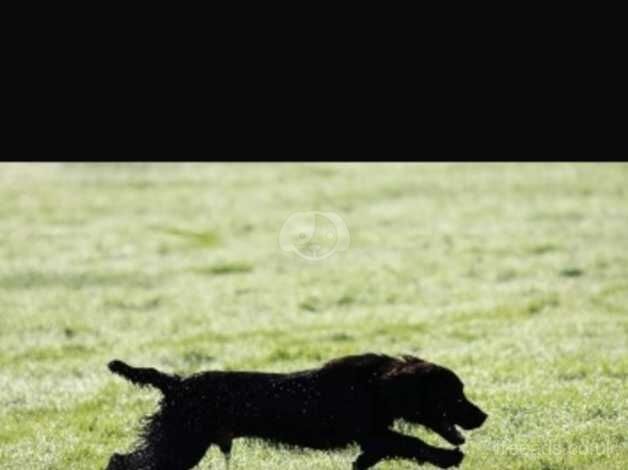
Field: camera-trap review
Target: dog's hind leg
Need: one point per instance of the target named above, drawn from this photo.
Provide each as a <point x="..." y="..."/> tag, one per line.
<point x="366" y="460"/>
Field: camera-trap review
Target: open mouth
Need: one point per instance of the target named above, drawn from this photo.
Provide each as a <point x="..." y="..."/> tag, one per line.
<point x="449" y="432"/>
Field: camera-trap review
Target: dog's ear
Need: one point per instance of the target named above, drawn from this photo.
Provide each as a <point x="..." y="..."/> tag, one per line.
<point x="412" y="359"/>
<point x="403" y="385"/>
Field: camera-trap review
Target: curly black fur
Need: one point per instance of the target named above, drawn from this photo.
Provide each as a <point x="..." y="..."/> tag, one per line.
<point x="353" y="399"/>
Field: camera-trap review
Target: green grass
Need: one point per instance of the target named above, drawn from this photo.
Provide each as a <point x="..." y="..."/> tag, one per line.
<point x="515" y="276"/>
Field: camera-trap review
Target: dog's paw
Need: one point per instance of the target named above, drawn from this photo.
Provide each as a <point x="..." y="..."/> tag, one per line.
<point x="116" y="366"/>
<point x="446" y="458"/>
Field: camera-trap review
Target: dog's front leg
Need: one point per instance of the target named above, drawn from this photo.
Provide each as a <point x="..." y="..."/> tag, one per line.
<point x="395" y="445"/>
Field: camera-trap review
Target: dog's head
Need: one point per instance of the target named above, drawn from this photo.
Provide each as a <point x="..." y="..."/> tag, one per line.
<point x="424" y="393"/>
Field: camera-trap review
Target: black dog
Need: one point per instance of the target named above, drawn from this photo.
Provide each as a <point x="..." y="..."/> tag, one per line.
<point x="354" y="399"/>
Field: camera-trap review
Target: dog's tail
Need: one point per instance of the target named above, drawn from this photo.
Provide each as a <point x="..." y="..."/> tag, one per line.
<point x="143" y="376"/>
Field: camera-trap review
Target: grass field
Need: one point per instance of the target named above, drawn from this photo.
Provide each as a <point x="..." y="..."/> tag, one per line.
<point x="513" y="275"/>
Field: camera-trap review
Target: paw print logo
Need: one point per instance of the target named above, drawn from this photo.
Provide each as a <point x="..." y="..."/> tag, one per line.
<point x="314" y="236"/>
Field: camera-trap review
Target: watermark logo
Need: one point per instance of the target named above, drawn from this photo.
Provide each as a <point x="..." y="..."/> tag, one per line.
<point x="555" y="449"/>
<point x="314" y="236"/>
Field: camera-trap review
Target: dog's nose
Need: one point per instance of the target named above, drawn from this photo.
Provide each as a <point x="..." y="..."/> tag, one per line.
<point x="476" y="419"/>
<point x="483" y="416"/>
